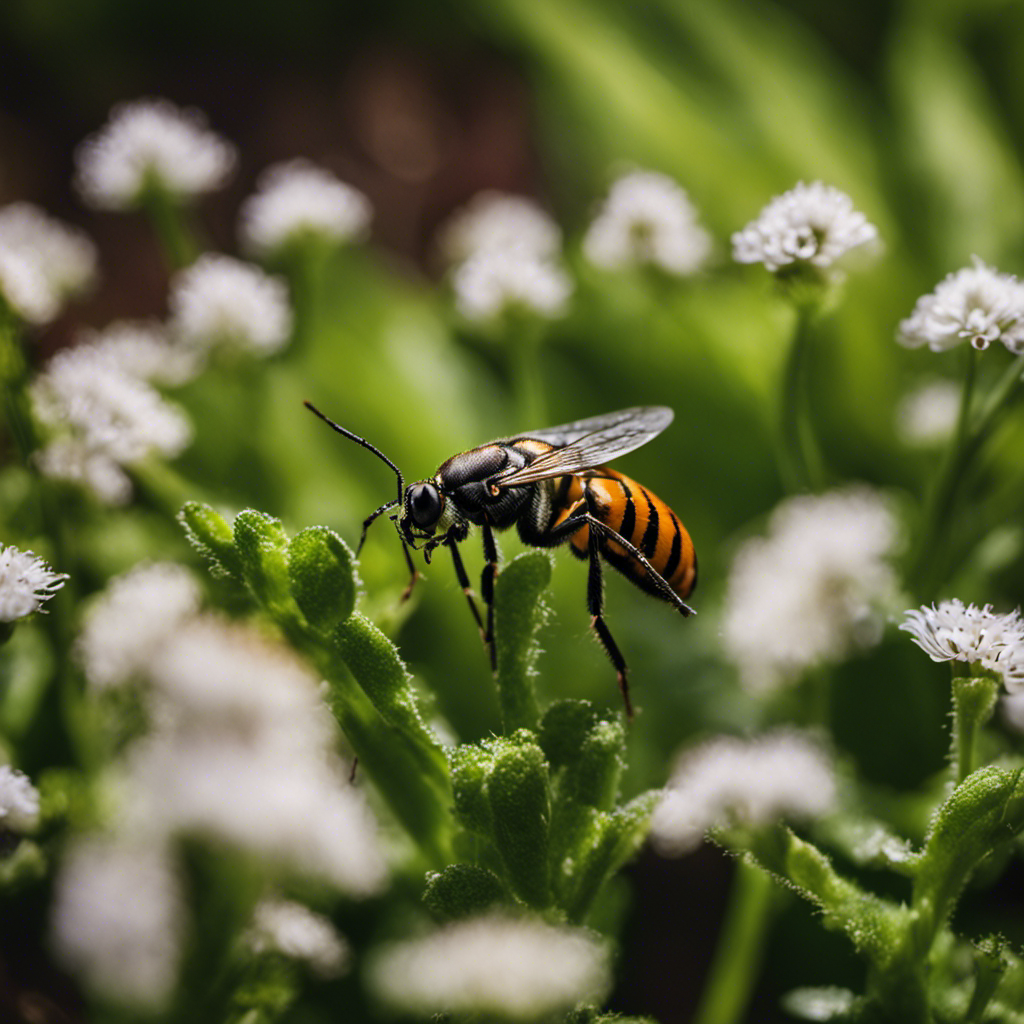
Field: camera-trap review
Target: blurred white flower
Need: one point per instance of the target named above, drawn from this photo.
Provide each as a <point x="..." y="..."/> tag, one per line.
<point x="813" y="224"/>
<point x="952" y="631"/>
<point x="19" y="801"/>
<point x="647" y="218"/>
<point x="104" y="419"/>
<point x="976" y="304"/>
<point x="242" y="751"/>
<point x="928" y="415"/>
<point x="498" y="221"/>
<point x="730" y="781"/>
<point x="42" y="262"/>
<point x="510" y="968"/>
<point x="298" y="198"/>
<point x="1012" y="706"/>
<point x="495" y="281"/>
<point x="142" y="349"/>
<point x="151" y="143"/>
<point x="126" y="627"/>
<point x="297" y="932"/>
<point x="118" y="919"/>
<point x="813" y="589"/>
<point x="26" y="581"/>
<point x="223" y="301"/>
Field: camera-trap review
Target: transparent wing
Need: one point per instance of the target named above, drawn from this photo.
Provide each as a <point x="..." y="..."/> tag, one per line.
<point x="588" y="443"/>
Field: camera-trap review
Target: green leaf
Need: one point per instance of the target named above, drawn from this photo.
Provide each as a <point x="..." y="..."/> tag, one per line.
<point x="323" y="581"/>
<point x="985" y="811"/>
<point x="520" y="803"/>
<point x="519" y="611"/>
<point x="564" y="728"/>
<point x="469" y="766"/>
<point x="211" y="535"/>
<point x="462" y="890"/>
<point x="262" y="547"/>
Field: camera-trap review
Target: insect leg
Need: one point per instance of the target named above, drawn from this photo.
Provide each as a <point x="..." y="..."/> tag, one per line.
<point x="414" y="574"/>
<point x="460" y="571"/>
<point x="369" y="520"/>
<point x="487" y="587"/>
<point x="595" y="604"/>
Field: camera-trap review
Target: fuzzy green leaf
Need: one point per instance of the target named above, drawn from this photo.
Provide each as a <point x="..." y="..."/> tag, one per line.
<point x="520" y="802"/>
<point x="262" y="547"/>
<point x="462" y="890"/>
<point x="519" y="611"/>
<point x="985" y="811"/>
<point x="469" y="766"/>
<point x="211" y="535"/>
<point x="323" y="583"/>
<point x="563" y="729"/>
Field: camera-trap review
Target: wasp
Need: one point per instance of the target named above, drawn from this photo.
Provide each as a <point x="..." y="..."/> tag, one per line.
<point x="554" y="486"/>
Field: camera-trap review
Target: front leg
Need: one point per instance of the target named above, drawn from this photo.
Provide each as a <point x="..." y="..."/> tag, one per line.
<point x="487" y="587"/>
<point x="452" y="543"/>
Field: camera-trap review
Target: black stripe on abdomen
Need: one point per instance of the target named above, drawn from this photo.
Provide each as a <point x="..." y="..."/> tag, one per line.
<point x="676" y="553"/>
<point x="650" y="539"/>
<point x="628" y="524"/>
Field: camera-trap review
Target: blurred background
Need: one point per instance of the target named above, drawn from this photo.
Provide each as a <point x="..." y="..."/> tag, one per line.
<point x="915" y="110"/>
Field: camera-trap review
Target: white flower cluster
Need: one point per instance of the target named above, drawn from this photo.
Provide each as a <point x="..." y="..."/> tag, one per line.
<point x="507" y="247"/>
<point x="497" y="220"/>
<point x="953" y="631"/>
<point x="240" y="752"/>
<point x="151" y="143"/>
<point x="118" y="918"/>
<point x="19" y="801"/>
<point x="296" y="931"/>
<point x="242" y="748"/>
<point x="42" y="262"/>
<point x="730" y="781"/>
<point x="814" y="225"/>
<point x="143" y="349"/>
<point x="647" y="219"/>
<point x="298" y="198"/>
<point x="928" y="415"/>
<point x="221" y="301"/>
<point x="26" y="581"/>
<point x="813" y="589"/>
<point x="514" y="969"/>
<point x="976" y="304"/>
<point x="104" y="419"/>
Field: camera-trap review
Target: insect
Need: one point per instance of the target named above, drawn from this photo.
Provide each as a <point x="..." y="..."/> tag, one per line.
<point x="551" y="484"/>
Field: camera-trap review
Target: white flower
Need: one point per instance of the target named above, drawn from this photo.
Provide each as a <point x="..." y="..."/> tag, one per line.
<point x="976" y="304"/>
<point x="104" y="418"/>
<point x="118" y="919"/>
<point x="498" y="221"/>
<point x="928" y="415"/>
<point x="242" y="752"/>
<point x="509" y="968"/>
<point x="19" y="801"/>
<point x="813" y="224"/>
<point x="297" y="932"/>
<point x="151" y="143"/>
<point x="497" y="280"/>
<point x="42" y="262"/>
<point x="25" y="583"/>
<point x="647" y="218"/>
<point x="978" y="636"/>
<point x="297" y="198"/>
<point x="813" y="589"/>
<point x="126" y="627"/>
<point x="142" y="349"/>
<point x="223" y="301"/>
<point x="727" y="780"/>
<point x="67" y="458"/>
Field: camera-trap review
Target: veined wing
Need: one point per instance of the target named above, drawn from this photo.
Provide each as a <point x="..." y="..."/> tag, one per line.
<point x="588" y="443"/>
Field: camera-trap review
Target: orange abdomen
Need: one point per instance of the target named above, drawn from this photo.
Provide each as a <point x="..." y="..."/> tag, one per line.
<point x="646" y="521"/>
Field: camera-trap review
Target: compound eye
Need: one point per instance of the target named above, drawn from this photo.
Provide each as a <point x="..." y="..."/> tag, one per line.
<point x="424" y="505"/>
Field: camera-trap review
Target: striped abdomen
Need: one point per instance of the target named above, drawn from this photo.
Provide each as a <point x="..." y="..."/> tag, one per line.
<point x="642" y="518"/>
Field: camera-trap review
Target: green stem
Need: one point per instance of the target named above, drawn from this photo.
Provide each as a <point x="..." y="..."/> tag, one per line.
<point x="306" y="265"/>
<point x="168" y="218"/>
<point x="974" y="698"/>
<point x="737" y="958"/>
<point x="926" y="568"/>
<point x="800" y="461"/>
<point x="527" y="380"/>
